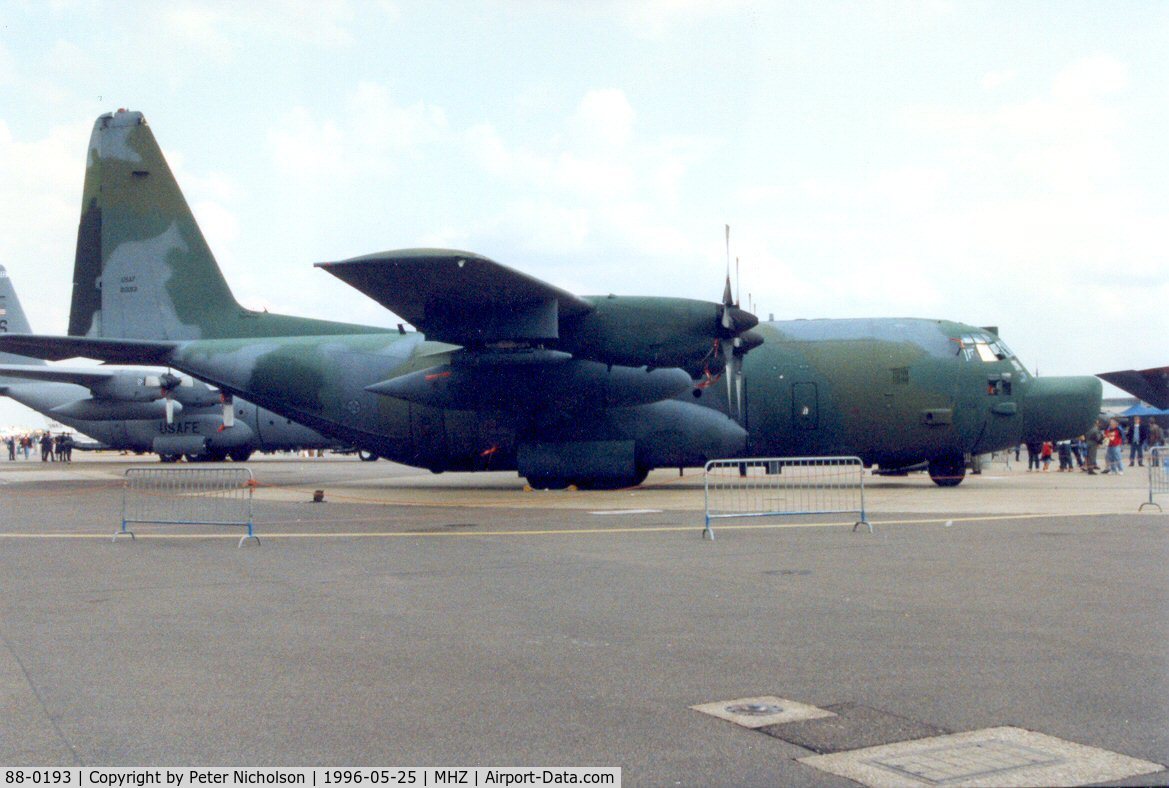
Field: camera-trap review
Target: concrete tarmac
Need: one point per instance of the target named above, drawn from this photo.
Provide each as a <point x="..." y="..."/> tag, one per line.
<point x="459" y="620"/>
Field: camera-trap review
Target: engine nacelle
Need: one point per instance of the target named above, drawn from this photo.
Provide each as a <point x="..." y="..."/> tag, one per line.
<point x="652" y="331"/>
<point x="115" y="410"/>
<point x="196" y="394"/>
<point x="481" y="384"/>
<point x="147" y="388"/>
<point x="127" y="388"/>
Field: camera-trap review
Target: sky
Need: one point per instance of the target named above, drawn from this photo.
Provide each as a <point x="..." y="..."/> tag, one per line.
<point x="995" y="163"/>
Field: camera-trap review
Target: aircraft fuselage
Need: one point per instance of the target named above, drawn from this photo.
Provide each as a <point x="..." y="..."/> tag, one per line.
<point x="891" y="391"/>
<point x="195" y="431"/>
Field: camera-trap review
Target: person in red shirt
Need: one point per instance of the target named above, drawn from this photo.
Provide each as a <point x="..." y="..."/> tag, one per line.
<point x="1114" y="439"/>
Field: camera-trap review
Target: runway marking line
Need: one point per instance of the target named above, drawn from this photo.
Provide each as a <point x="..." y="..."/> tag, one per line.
<point x="697" y="527"/>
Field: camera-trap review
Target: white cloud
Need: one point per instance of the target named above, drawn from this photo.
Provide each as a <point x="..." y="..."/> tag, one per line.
<point x="7" y="66"/>
<point x="604" y="119"/>
<point x="1090" y="78"/>
<point x="654" y="19"/>
<point x="994" y="80"/>
<point x="381" y="126"/>
<point x="307" y="147"/>
<point x="37" y="241"/>
<point x="596" y="163"/>
<point x="368" y="136"/>
<point x="224" y="30"/>
<point x="1024" y="213"/>
<point x="219" y="225"/>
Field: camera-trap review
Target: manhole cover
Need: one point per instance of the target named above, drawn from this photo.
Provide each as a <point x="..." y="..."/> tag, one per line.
<point x="961" y="762"/>
<point x="762" y="711"/>
<point x="994" y="756"/>
<point x="755" y="709"/>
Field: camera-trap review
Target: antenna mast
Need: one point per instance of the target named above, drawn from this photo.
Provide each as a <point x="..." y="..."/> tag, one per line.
<point x="728" y="229"/>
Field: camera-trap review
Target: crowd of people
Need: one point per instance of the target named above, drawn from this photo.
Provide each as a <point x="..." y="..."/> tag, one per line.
<point x="1083" y="452"/>
<point x="50" y="447"/>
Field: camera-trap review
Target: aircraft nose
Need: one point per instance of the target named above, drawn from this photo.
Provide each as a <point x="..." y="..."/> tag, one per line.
<point x="1059" y="408"/>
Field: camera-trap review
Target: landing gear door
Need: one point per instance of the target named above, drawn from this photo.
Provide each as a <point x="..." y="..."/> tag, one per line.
<point x="805" y="406"/>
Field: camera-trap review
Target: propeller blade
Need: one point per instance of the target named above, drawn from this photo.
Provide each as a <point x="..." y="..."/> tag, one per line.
<point x="737" y="355"/>
<point x="228" y="412"/>
<point x="170" y="410"/>
<point x="729" y="373"/>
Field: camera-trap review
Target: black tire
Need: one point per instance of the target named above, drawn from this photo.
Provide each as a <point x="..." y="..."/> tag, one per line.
<point x="948" y="471"/>
<point x="367" y="456"/>
<point x="546" y="483"/>
<point x="240" y="455"/>
<point x="613" y="482"/>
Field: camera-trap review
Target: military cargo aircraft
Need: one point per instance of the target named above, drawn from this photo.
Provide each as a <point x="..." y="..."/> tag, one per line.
<point x="513" y="373"/>
<point x="143" y="410"/>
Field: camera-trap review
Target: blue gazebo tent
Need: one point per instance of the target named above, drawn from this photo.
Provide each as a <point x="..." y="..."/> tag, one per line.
<point x="1141" y="409"/>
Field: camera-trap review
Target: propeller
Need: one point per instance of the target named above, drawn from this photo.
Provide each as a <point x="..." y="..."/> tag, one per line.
<point x="228" y="410"/>
<point x="167" y="383"/>
<point x="735" y="339"/>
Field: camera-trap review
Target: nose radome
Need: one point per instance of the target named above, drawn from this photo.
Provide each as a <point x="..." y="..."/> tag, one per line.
<point x="1059" y="408"/>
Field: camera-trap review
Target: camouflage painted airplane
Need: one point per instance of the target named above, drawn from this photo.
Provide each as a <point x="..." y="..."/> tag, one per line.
<point x="513" y="373"/>
<point x="142" y="410"/>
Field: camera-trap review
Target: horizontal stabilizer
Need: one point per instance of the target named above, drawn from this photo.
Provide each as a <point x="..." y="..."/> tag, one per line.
<point x="114" y="351"/>
<point x="1148" y="385"/>
<point x="460" y="297"/>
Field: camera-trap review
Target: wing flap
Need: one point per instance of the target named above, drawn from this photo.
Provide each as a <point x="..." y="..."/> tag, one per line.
<point x="460" y="297"/>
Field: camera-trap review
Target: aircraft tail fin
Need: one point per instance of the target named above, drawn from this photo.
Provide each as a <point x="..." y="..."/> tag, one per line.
<point x="143" y="269"/>
<point x="12" y="320"/>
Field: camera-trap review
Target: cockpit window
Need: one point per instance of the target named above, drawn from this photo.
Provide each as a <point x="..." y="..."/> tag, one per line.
<point x="983" y="347"/>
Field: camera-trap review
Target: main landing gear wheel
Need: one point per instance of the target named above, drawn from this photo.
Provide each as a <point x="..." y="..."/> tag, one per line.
<point x="614" y="482"/>
<point x="239" y="455"/>
<point x="210" y="455"/>
<point x="948" y="471"/>
<point x="367" y="456"/>
<point x="546" y="483"/>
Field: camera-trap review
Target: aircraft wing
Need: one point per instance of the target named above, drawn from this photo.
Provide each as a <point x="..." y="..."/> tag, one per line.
<point x="82" y="376"/>
<point x="460" y="297"/>
<point x="114" y="351"/>
<point x="1147" y="385"/>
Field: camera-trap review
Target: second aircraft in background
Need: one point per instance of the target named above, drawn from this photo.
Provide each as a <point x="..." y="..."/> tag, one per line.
<point x="143" y="410"/>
